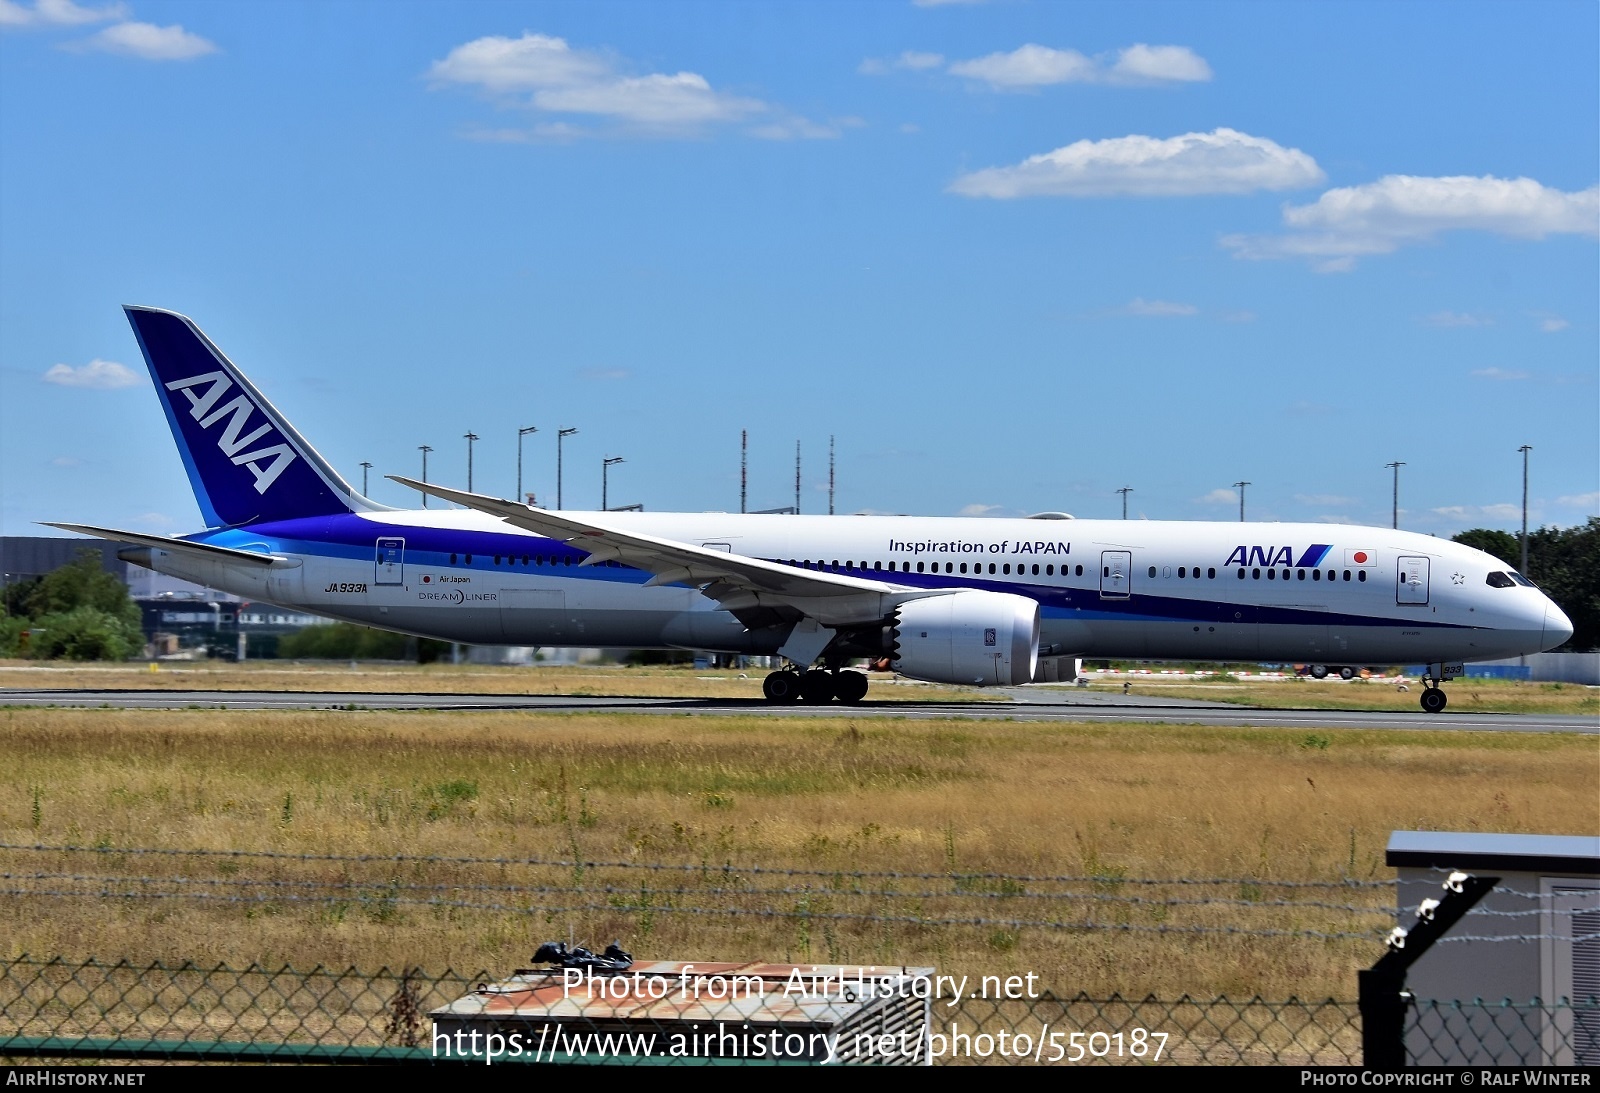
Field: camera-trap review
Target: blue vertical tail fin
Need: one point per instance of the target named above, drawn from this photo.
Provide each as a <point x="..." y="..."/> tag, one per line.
<point x="247" y="464"/>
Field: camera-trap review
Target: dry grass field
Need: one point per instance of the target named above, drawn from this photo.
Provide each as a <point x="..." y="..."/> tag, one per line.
<point x="716" y="798"/>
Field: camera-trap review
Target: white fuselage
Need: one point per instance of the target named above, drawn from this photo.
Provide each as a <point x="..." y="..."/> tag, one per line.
<point x="1158" y="589"/>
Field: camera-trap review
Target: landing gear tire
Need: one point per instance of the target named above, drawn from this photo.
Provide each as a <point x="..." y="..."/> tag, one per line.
<point x="816" y="687"/>
<point x="1433" y="700"/>
<point x="780" y="687"/>
<point x="1347" y="673"/>
<point x="1319" y="671"/>
<point x="851" y="687"/>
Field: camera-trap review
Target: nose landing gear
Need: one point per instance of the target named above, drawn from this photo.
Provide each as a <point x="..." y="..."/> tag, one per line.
<point x="1433" y="698"/>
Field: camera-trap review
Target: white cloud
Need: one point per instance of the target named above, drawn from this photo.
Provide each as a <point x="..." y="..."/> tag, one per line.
<point x="1501" y="374"/>
<point x="66" y="461"/>
<point x="1398" y="210"/>
<point x="548" y="75"/>
<point x="1163" y="309"/>
<point x="794" y="127"/>
<point x="1223" y="161"/>
<point x="1448" y="319"/>
<point x="1550" y="323"/>
<point x="1161" y="63"/>
<point x="912" y="60"/>
<point x="1033" y="66"/>
<point x="148" y="42"/>
<point x="97" y="374"/>
<point x="1474" y="512"/>
<point x="979" y="510"/>
<point x="605" y="374"/>
<point x="60" y="13"/>
<point x="1580" y="500"/>
<point x="1219" y="497"/>
<point x="1029" y="66"/>
<point x="519" y="64"/>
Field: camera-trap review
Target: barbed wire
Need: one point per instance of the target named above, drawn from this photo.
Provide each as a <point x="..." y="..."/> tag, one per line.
<point x="647" y="908"/>
<point x="400" y="886"/>
<point x="704" y="867"/>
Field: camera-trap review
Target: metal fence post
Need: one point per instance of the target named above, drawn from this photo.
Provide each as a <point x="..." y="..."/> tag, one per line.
<point x="1382" y="995"/>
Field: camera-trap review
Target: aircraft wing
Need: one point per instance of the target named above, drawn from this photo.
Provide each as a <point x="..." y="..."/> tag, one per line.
<point x="176" y="546"/>
<point x="737" y="582"/>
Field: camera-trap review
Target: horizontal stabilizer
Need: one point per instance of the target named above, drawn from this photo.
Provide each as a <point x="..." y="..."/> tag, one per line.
<point x="179" y="546"/>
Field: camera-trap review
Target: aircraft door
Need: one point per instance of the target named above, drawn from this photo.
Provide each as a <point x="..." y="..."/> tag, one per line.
<point x="1411" y="586"/>
<point x="391" y="562"/>
<point x="1116" y="573"/>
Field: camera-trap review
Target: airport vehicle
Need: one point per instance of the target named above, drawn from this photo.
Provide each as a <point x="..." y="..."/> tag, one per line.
<point x="952" y="600"/>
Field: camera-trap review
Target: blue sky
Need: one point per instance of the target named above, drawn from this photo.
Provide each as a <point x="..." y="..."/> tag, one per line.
<point x="1011" y="256"/>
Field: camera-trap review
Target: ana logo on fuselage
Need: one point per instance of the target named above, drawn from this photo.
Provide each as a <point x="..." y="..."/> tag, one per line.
<point x="1270" y="556"/>
<point x="265" y="463"/>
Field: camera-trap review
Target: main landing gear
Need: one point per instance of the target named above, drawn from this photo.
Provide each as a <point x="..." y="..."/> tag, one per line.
<point x="815" y="687"/>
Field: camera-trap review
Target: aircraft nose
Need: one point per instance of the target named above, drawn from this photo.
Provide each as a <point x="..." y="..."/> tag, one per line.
<point x="1557" y="627"/>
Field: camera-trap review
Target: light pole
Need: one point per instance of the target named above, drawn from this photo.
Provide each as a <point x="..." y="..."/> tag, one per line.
<point x="424" y="449"/>
<point x="1525" y="449"/>
<point x="365" y="467"/>
<point x="561" y="434"/>
<point x="1240" y="487"/>
<point x="520" y="434"/>
<point x="1125" y="490"/>
<point x="1396" y="466"/>
<point x="605" y="473"/>
<point x="469" y="437"/>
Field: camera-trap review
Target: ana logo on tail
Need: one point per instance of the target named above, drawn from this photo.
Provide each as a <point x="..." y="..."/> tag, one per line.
<point x="265" y="463"/>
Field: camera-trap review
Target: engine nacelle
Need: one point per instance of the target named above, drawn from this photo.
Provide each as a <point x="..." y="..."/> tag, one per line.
<point x="984" y="638"/>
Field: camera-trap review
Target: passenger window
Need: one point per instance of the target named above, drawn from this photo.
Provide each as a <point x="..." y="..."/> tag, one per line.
<point x="1272" y="574"/>
<point x="452" y="557"/>
<point x="1362" y="575"/>
<point x="1050" y="570"/>
<point x="1035" y="569"/>
<point x="524" y="559"/>
<point x="1006" y="569"/>
<point x="1255" y="574"/>
<point x="497" y="559"/>
<point x="1212" y="573"/>
<point x="469" y="559"/>
<point x="963" y="567"/>
<point x="1152" y="571"/>
<point x="1347" y="574"/>
<point x="919" y="567"/>
<point x="991" y="569"/>
<point x="1316" y="574"/>
<point x="1500" y="580"/>
<point x="1241" y="574"/>
<point x="1182" y="572"/>
<point x="879" y="565"/>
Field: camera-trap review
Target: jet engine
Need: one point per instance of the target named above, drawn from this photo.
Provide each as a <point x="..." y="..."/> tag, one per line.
<point x="984" y="638"/>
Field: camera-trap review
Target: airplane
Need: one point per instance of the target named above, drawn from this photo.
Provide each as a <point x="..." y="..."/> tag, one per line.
<point x="952" y="600"/>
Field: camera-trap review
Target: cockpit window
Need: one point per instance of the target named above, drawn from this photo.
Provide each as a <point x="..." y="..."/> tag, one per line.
<point x="1520" y="579"/>
<point x="1500" y="580"/>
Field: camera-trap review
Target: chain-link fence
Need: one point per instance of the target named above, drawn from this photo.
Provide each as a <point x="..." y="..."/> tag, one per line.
<point x="62" y="1010"/>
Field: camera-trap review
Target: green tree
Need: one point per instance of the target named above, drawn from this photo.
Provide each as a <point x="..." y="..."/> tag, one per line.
<point x="78" y="611"/>
<point x="1565" y="563"/>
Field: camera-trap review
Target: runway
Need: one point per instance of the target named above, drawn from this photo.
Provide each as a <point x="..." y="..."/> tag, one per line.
<point x="1022" y="704"/>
